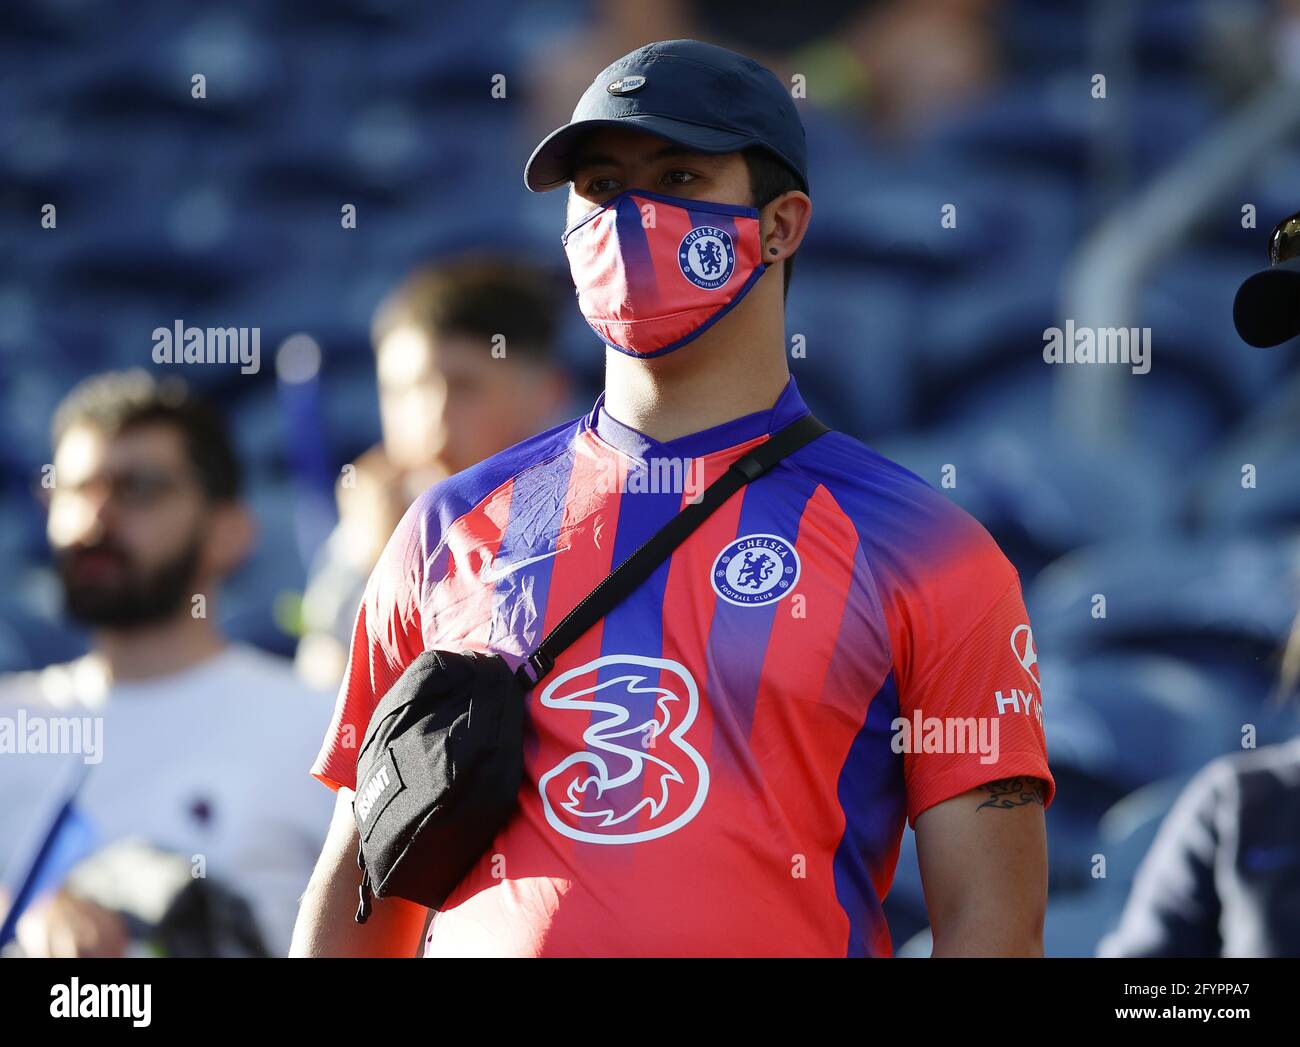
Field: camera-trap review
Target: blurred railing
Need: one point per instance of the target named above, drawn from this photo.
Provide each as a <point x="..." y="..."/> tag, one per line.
<point x="1103" y="280"/>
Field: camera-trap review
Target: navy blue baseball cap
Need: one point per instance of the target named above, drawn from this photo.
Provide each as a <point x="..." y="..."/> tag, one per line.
<point x="695" y="94"/>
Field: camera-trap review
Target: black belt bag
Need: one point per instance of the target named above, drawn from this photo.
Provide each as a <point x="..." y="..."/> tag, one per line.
<point x="439" y="770"/>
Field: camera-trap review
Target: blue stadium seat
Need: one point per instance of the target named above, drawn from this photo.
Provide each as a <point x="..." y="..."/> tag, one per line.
<point x="32" y="637"/>
<point x="1077" y="922"/>
<point x="1225" y="605"/>
<point x="1131" y="718"/>
<point x="1038" y="494"/>
<point x="856" y="327"/>
<point x="1216" y="500"/>
<point x="1188" y="306"/>
<point x="1049" y="124"/>
<point x="250" y="602"/>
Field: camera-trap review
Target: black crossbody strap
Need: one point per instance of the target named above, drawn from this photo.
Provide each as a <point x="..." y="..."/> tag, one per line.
<point x="625" y="578"/>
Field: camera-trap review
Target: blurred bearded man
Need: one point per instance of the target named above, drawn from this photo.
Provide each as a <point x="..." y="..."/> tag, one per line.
<point x="186" y="745"/>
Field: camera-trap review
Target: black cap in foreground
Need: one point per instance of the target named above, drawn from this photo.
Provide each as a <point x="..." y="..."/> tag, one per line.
<point x="1267" y="307"/>
<point x="697" y="95"/>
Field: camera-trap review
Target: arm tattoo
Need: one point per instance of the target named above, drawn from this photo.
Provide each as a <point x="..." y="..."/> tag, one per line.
<point x="1006" y="793"/>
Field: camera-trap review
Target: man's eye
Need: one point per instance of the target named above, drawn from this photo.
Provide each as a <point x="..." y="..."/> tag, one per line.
<point x="600" y="185"/>
<point x="679" y="177"/>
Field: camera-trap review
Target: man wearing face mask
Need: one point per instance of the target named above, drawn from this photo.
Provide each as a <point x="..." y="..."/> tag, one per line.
<point x="724" y="764"/>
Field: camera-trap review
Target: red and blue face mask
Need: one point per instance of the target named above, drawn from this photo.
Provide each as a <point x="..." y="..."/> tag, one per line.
<point x="654" y="272"/>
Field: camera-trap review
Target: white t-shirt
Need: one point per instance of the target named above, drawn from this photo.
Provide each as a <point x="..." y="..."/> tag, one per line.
<point x="210" y="763"/>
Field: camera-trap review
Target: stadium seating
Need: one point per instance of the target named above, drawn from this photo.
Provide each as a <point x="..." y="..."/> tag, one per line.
<point x="920" y="338"/>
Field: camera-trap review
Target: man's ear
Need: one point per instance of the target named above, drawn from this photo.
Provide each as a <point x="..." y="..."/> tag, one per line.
<point x="230" y="532"/>
<point x="784" y="223"/>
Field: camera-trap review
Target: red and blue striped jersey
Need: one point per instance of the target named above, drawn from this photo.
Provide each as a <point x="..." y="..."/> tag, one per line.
<point x="715" y="767"/>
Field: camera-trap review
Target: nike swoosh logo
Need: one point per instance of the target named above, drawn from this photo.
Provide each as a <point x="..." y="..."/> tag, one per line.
<point x="493" y="571"/>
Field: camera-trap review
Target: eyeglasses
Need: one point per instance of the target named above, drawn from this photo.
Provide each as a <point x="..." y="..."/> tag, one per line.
<point x="130" y="488"/>
<point x="1284" y="244"/>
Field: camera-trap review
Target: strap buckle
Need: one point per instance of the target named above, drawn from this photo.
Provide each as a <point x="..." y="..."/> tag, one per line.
<point x="540" y="663"/>
<point x="748" y="467"/>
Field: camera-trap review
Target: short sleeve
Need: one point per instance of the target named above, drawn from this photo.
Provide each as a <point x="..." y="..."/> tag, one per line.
<point x="971" y="697"/>
<point x="386" y="637"/>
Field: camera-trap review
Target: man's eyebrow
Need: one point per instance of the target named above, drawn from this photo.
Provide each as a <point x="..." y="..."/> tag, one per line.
<point x="584" y="158"/>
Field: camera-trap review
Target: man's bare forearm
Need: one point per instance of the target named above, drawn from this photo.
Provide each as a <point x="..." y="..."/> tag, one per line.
<point x="983" y="859"/>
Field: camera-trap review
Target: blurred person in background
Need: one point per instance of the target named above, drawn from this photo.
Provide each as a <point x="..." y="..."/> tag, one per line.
<point x="464" y="351"/>
<point x="1223" y="875"/>
<point x="201" y="741"/>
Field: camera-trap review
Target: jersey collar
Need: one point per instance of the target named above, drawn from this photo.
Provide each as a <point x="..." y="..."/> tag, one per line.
<point x="636" y="444"/>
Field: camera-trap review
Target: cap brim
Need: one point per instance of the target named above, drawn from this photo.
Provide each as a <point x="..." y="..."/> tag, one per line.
<point x="551" y="165"/>
<point x="1267" y="307"/>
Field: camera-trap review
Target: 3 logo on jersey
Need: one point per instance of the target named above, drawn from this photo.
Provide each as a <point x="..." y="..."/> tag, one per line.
<point x="636" y="778"/>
